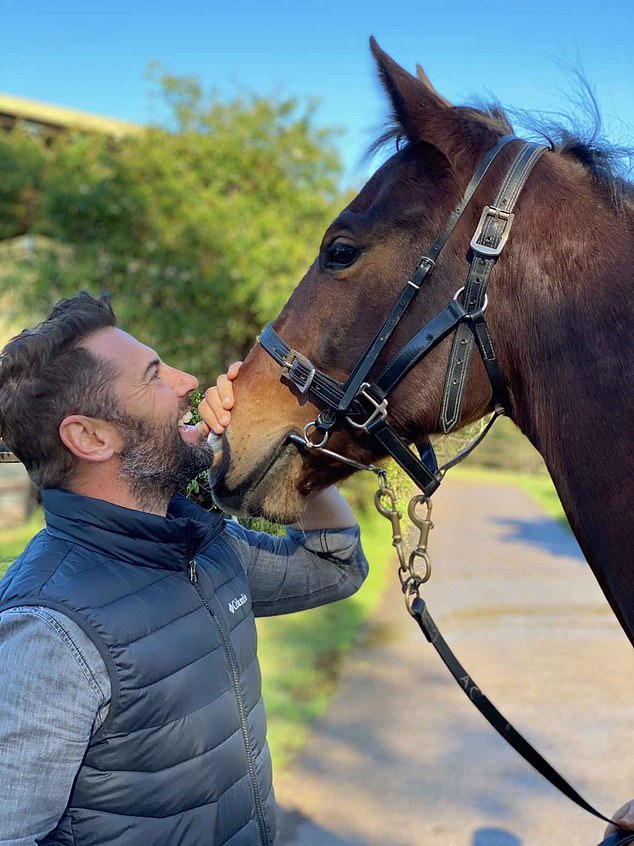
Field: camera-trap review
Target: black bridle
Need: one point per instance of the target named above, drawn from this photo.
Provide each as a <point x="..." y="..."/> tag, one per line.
<point x="362" y="403"/>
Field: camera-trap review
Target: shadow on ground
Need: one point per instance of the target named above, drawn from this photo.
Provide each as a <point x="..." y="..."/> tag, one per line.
<point x="495" y="837"/>
<point x="542" y="533"/>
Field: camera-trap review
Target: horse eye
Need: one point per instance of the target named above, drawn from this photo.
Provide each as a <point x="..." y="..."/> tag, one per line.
<point x="340" y="255"/>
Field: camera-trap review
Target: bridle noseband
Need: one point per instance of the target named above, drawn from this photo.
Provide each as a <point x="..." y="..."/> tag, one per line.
<point x="362" y="403"/>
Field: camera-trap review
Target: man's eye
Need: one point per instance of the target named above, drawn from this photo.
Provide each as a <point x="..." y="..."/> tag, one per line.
<point x="340" y="255"/>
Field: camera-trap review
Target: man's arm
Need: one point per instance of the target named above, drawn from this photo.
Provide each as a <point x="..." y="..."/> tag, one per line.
<point x="301" y="570"/>
<point x="327" y="509"/>
<point x="50" y="699"/>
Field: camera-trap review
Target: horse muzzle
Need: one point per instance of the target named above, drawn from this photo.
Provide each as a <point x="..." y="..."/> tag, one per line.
<point x="267" y="487"/>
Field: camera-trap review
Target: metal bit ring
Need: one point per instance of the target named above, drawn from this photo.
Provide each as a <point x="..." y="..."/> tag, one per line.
<point x="310" y="428"/>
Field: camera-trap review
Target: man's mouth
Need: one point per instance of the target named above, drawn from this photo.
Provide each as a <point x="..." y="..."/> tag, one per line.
<point x="190" y="434"/>
<point x="185" y="418"/>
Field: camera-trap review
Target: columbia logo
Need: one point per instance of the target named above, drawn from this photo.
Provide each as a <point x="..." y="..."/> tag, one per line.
<point x="236" y="603"/>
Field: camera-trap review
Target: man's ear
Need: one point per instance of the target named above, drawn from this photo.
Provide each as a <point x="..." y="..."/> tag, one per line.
<point x="89" y="438"/>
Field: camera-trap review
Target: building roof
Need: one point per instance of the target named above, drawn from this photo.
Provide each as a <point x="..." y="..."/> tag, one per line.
<point x="57" y="118"/>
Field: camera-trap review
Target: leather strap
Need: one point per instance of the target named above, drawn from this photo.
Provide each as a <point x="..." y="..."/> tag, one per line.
<point x="488" y="710"/>
<point x="417" y="348"/>
<point x="425" y="478"/>
<point x="486" y="246"/>
<point x="301" y="373"/>
<point x="305" y="377"/>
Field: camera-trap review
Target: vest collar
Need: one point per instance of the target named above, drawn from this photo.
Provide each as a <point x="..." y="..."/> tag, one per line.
<point x="132" y="536"/>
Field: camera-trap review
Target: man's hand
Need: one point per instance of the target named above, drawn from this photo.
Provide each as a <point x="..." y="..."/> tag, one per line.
<point x="624" y="817"/>
<point x="215" y="407"/>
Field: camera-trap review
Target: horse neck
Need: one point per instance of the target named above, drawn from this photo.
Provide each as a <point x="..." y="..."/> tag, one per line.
<point x="571" y="382"/>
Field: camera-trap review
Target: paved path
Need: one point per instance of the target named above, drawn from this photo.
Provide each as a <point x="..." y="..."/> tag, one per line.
<point x="402" y="758"/>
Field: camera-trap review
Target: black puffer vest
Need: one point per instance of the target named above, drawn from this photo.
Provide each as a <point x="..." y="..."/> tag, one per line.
<point x="181" y="759"/>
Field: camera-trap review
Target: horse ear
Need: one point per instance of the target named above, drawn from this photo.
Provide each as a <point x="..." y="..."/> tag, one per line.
<point x="415" y="101"/>
<point x="422" y="76"/>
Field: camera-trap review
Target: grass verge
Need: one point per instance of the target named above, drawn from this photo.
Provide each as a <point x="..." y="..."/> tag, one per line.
<point x="13" y="540"/>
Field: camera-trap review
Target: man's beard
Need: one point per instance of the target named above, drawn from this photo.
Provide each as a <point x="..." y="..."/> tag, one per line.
<point x="156" y="462"/>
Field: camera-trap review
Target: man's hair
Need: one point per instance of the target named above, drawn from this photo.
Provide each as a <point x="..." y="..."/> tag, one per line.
<point x="46" y="375"/>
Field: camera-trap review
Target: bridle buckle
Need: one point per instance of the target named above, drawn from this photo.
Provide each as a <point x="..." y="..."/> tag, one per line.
<point x="493" y="213"/>
<point x="292" y="365"/>
<point x="379" y="409"/>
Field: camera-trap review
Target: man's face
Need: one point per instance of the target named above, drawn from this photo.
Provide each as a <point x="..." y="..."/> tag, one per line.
<point x="159" y="453"/>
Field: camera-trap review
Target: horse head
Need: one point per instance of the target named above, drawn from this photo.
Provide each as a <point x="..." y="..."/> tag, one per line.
<point x="366" y="256"/>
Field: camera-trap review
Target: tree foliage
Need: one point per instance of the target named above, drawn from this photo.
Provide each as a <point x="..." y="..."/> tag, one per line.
<point x="199" y="231"/>
<point x="21" y="164"/>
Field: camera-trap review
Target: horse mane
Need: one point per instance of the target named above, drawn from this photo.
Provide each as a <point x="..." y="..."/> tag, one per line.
<point x="608" y="164"/>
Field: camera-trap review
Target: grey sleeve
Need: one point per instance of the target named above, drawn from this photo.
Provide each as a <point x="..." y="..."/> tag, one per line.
<point x="301" y="570"/>
<point x="55" y="692"/>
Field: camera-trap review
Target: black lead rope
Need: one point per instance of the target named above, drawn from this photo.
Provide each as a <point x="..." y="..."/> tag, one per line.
<point x="419" y="612"/>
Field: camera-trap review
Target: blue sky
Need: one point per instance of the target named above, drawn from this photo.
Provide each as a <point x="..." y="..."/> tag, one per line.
<point x="94" y="55"/>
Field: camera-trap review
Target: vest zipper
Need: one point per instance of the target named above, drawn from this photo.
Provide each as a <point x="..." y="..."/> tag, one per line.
<point x="235" y="675"/>
<point x="191" y="570"/>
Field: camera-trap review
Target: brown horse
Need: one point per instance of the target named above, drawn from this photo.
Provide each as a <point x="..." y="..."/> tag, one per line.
<point x="561" y="317"/>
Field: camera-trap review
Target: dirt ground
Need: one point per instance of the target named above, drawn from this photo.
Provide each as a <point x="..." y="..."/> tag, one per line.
<point x="402" y="757"/>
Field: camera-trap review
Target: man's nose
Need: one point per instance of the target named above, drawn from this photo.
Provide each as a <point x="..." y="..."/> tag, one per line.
<point x="183" y="383"/>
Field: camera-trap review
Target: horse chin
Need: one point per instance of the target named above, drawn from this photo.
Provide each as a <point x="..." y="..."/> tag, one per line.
<point x="270" y="489"/>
